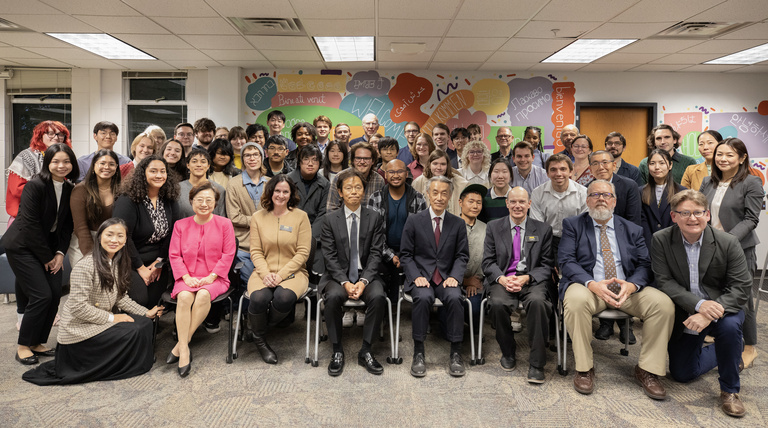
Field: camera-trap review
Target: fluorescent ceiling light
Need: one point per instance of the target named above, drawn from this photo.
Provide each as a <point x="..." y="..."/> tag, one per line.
<point x="749" y="56"/>
<point x="102" y="45"/>
<point x="588" y="50"/>
<point x="337" y="49"/>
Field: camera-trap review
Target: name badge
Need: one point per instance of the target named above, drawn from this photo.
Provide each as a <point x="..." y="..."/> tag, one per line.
<point x="533" y="238"/>
<point x="286" y="228"/>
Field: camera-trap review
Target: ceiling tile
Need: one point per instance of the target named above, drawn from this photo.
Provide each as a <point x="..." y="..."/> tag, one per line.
<point x="505" y="67"/>
<point x="453" y="66"/>
<point x="753" y="32"/>
<point x="41" y="62"/>
<point x="193" y="64"/>
<point x="176" y="8"/>
<point x="178" y="54"/>
<point x="65" y="54"/>
<point x="476" y="57"/>
<point x="497" y="9"/>
<point x="759" y="69"/>
<point x="628" y="30"/>
<point x="678" y="10"/>
<point x="463" y="44"/>
<point x="94" y="63"/>
<point x="303" y="65"/>
<point x="659" y="46"/>
<point x="515" y="57"/>
<point x="735" y="11"/>
<point x="607" y="67"/>
<point x="253" y="8"/>
<point x="217" y="42"/>
<point x="137" y="64"/>
<point x="385" y="55"/>
<point x="583" y="10"/>
<point x="555" y="67"/>
<point x="148" y="41"/>
<point x="234" y="54"/>
<point x="124" y="24"/>
<point x="33" y="7"/>
<point x="339" y="27"/>
<point x="689" y="59"/>
<point x="723" y="46"/>
<point x="383" y="43"/>
<point x="333" y="9"/>
<point x="87" y="7"/>
<point x="51" y="23"/>
<point x="247" y="64"/>
<point x="11" y="52"/>
<point x="622" y="58"/>
<point x="413" y="27"/>
<point x="395" y="65"/>
<point x="567" y="29"/>
<point x="203" y="26"/>
<point x="550" y="45"/>
<point x="659" y="67"/>
<point x="712" y="68"/>
<point x="293" y="43"/>
<point x="405" y="9"/>
<point x="31" y="40"/>
<point x="467" y="28"/>
<point x="7" y="62"/>
<point x="291" y="55"/>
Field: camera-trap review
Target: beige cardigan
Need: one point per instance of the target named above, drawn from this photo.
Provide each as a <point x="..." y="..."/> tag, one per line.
<point x="240" y="208"/>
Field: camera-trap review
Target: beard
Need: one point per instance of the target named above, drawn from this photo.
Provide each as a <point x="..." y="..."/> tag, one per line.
<point x="600" y="214"/>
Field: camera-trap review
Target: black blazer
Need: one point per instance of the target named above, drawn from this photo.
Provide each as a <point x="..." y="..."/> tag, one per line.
<point x="740" y="209"/>
<point x="419" y="256"/>
<point x="335" y="246"/>
<point x="497" y="252"/>
<point x="37" y="213"/>
<point x="630" y="171"/>
<point x="627" y="199"/>
<point x="141" y="228"/>
<point x="723" y="273"/>
<point x="656" y="215"/>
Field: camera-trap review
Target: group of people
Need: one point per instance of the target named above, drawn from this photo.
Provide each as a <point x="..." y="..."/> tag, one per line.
<point x="671" y="242"/>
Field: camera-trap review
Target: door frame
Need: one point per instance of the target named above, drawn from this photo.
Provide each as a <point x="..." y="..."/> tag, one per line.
<point x="652" y="107"/>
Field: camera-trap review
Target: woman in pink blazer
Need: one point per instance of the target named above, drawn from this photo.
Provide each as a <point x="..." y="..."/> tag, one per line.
<point x="201" y="252"/>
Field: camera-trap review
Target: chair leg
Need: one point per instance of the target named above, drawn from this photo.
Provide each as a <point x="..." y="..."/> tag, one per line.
<point x="472" y="360"/>
<point x="565" y="346"/>
<point x="237" y="325"/>
<point x="480" y="360"/>
<point x="391" y="330"/>
<point x="309" y="327"/>
<point x="230" y="357"/>
<point x="395" y="358"/>
<point x="625" y="351"/>
<point x="560" y="357"/>
<point x="318" y="321"/>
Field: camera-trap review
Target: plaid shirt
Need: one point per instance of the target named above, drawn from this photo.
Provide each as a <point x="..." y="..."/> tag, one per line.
<point x="374" y="183"/>
<point x="415" y="202"/>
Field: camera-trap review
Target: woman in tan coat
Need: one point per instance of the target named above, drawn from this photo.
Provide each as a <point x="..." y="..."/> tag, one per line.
<point x="281" y="238"/>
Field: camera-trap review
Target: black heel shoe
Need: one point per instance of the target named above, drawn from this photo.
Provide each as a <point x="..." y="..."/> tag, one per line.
<point x="28" y="361"/>
<point x="49" y="353"/>
<point x="171" y="358"/>
<point x="184" y="371"/>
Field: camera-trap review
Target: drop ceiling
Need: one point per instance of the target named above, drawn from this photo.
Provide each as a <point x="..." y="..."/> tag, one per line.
<point x="488" y="35"/>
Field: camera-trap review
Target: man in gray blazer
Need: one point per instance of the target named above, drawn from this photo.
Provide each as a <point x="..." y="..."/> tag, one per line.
<point x="352" y="240"/>
<point x="518" y="266"/>
<point x="704" y="272"/>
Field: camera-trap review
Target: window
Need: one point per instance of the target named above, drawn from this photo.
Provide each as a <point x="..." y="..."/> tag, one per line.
<point x="155" y="101"/>
<point x="29" y="110"/>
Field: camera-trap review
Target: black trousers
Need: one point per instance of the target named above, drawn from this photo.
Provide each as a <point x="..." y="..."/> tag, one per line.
<point x="453" y="305"/>
<point x="375" y="306"/>
<point x="538" y="308"/>
<point x="148" y="295"/>
<point x="40" y="290"/>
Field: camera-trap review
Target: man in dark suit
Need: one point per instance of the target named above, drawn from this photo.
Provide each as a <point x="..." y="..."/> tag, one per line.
<point x="518" y="266"/>
<point x="628" y="206"/>
<point x="352" y="240"/>
<point x="705" y="273"/>
<point x="616" y="143"/>
<point x="434" y="254"/>
<point x="604" y="264"/>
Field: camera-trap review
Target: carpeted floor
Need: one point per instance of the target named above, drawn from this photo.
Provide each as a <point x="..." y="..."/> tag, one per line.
<point x="292" y="393"/>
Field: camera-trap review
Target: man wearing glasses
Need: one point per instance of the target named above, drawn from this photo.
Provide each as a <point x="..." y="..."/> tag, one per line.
<point x="311" y="186"/>
<point x="504" y="140"/>
<point x="105" y="135"/>
<point x="277" y="149"/>
<point x="412" y="129"/>
<point x="705" y="273"/>
<point x="362" y="158"/>
<point x="604" y="264"/>
<point x="616" y="143"/>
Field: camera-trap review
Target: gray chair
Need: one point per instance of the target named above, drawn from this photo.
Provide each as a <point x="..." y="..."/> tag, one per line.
<point x="608" y="314"/>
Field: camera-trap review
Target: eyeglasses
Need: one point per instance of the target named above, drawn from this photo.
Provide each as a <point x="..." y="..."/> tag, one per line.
<point x="207" y="201"/>
<point x="185" y="134"/>
<point x="613" y="143"/>
<point x="256" y="155"/>
<point x="475" y="152"/>
<point x="363" y="160"/>
<point x="579" y="147"/>
<point x="597" y="195"/>
<point x="53" y="135"/>
<point x="308" y="161"/>
<point x="687" y="214"/>
<point x="275" y="149"/>
<point x="397" y="171"/>
<point x="604" y="164"/>
<point x="504" y="137"/>
<point x="105" y="133"/>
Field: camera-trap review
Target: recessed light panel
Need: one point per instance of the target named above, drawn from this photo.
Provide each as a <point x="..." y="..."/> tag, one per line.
<point x="338" y="49"/>
<point x="587" y="50"/>
<point x="102" y="45"/>
<point x="746" y="57"/>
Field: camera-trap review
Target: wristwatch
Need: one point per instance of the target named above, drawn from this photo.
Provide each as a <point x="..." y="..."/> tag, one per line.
<point x="364" y="281"/>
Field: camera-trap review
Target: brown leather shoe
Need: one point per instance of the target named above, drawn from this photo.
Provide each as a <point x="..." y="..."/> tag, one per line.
<point x="584" y="382"/>
<point x="732" y="405"/>
<point x="650" y="383"/>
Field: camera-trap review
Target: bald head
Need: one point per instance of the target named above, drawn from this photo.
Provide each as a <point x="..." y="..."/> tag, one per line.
<point x="568" y="134"/>
<point x="396" y="173"/>
<point x="518" y="203"/>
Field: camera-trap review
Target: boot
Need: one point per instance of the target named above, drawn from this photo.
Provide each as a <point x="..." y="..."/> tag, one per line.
<point x="259" y="329"/>
<point x="749" y="355"/>
<point x="280" y="319"/>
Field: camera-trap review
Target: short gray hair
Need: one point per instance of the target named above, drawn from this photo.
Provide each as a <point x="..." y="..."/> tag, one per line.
<point x="440" y="179"/>
<point x="613" y="188"/>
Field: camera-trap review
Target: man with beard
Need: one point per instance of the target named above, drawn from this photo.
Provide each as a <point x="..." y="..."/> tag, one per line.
<point x="615" y="143"/>
<point x="411" y="130"/>
<point x="605" y="264"/>
<point x="341" y="134"/>
<point x="204" y="131"/>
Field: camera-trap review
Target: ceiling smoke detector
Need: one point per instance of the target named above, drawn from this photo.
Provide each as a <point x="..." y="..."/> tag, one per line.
<point x="698" y="30"/>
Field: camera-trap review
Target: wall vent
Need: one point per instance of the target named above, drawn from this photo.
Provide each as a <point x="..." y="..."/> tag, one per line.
<point x="154" y="75"/>
<point x="698" y="30"/>
<point x="268" y="26"/>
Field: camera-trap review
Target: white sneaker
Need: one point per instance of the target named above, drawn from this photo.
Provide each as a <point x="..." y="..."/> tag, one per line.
<point x="360" y="318"/>
<point x="517" y="325"/>
<point x="348" y="320"/>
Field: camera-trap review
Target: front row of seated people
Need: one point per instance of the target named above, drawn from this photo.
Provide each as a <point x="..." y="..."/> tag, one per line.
<point x="603" y="260"/>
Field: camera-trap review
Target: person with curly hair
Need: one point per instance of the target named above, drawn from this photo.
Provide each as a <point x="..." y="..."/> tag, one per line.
<point x="148" y="204"/>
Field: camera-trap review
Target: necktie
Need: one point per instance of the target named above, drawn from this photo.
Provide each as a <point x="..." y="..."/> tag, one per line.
<point x="436" y="277"/>
<point x="512" y="269"/>
<point x="353" y="252"/>
<point x="609" y="263"/>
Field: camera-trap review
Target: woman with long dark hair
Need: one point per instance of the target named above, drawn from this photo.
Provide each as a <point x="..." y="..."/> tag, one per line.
<point x="656" y="194"/>
<point x="92" y="202"/>
<point x="735" y="200"/>
<point x="148" y="204"/>
<point x="222" y="162"/>
<point x="173" y="153"/>
<point x="95" y="343"/>
<point x="36" y="243"/>
<point x="335" y="160"/>
<point x="199" y="166"/>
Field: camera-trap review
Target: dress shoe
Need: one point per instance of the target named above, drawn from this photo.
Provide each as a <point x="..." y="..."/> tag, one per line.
<point x="171" y="359"/>
<point x="604" y="332"/>
<point x="184" y="371"/>
<point x="749" y="355"/>
<point x="650" y="383"/>
<point x="28" y="361"/>
<point x="419" y="365"/>
<point x="508" y="363"/>
<point x="732" y="405"/>
<point x="336" y="366"/>
<point x="456" y="366"/>
<point x="211" y="327"/>
<point x="584" y="382"/>
<point x="367" y="360"/>
<point x="48" y="353"/>
<point x="535" y="375"/>
<point x="632" y="339"/>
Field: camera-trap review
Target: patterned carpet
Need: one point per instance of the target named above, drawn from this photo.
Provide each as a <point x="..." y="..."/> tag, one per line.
<point x="250" y="393"/>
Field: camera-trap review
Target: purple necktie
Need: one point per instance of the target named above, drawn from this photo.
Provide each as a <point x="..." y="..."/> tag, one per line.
<point x="436" y="278"/>
<point x="512" y="269"/>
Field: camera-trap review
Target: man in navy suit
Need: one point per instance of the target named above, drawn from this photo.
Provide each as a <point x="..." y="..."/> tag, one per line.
<point x="352" y="241"/>
<point x="616" y="143"/>
<point x="605" y="265"/>
<point x="434" y="252"/>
